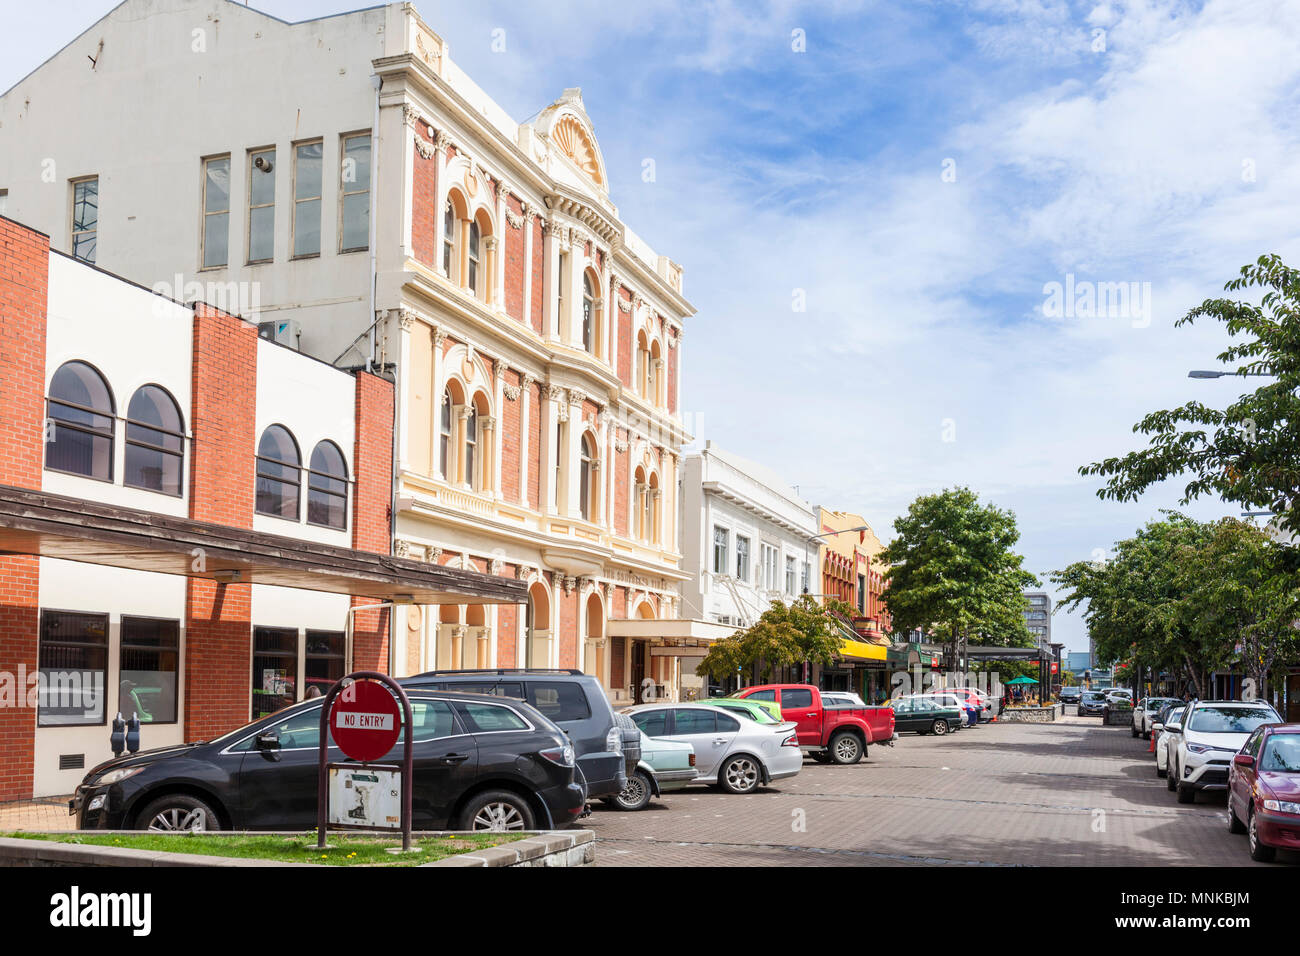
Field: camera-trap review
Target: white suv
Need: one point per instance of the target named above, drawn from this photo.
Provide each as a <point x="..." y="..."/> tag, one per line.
<point x="1212" y="733"/>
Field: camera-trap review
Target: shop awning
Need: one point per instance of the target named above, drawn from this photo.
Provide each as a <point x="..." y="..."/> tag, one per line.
<point x="73" y="529"/>
<point x="684" y="630"/>
<point x="860" y="650"/>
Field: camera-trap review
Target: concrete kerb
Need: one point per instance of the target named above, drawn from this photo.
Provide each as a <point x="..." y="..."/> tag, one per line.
<point x="537" y="848"/>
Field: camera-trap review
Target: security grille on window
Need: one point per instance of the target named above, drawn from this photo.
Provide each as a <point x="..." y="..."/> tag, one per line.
<point x="149" y="668"/>
<point x="216" y="212"/>
<point x="261" y="206"/>
<point x="155" y="441"/>
<point x="79" y="423"/>
<point x="307" y="181"/>
<point x="85" y="219"/>
<point x="73" y="662"/>
<point x="354" y="234"/>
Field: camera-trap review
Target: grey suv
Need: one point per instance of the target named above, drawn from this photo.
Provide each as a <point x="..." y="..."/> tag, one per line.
<point x="608" y="745"/>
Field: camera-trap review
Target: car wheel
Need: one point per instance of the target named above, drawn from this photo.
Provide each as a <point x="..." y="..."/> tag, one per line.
<point x="497" y="810"/>
<point x="1161" y="772"/>
<point x="1234" y="823"/>
<point x="177" y="813"/>
<point x="636" y="794"/>
<point x="1134" y="731"/>
<point x="846" y="748"/>
<point x="1171" y="776"/>
<point x="940" y="727"/>
<point x="740" y="774"/>
<point x="1258" y="851"/>
<point x="1185" y="793"/>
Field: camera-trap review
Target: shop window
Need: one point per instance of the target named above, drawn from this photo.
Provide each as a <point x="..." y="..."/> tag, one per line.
<point x="149" y="668"/>
<point x="73" y="662"/>
<point x="275" y="669"/>
<point x="325" y="663"/>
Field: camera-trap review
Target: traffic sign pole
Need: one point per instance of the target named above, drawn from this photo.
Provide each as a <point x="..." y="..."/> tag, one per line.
<point x="364" y="731"/>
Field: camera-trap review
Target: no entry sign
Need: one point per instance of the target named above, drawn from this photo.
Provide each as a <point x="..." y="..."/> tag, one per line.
<point x="365" y="721"/>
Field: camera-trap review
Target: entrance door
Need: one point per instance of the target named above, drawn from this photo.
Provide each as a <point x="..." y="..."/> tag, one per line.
<point x="638" y="671"/>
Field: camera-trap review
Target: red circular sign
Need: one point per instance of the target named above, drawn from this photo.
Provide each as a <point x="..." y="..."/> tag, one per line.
<point x="365" y="720"/>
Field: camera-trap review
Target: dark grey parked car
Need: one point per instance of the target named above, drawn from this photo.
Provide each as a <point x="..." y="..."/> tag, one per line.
<point x="608" y="745"/>
<point x="1092" y="704"/>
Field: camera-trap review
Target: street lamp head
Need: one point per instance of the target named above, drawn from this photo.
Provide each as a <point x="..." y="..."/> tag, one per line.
<point x="1205" y="373"/>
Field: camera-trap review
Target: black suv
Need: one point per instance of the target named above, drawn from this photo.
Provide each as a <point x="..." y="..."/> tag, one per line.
<point x="608" y="745"/>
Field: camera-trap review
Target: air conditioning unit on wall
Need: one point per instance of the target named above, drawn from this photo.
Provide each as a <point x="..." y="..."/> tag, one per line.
<point x="284" y="331"/>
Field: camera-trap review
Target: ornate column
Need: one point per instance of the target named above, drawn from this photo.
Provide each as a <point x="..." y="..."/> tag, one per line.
<point x="552" y="410"/>
<point x="460" y="416"/>
<point x="407" y="324"/>
<point x="487" y="449"/>
<point x="483" y="658"/>
<point x="491" y="244"/>
<point x="530" y="216"/>
<point x="550" y="275"/>
<point x="526" y="439"/>
<point x="499" y="369"/>
<point x="458" y="634"/>
<point x="435" y="443"/>
<point x="410" y="138"/>
<point x="499" y="256"/>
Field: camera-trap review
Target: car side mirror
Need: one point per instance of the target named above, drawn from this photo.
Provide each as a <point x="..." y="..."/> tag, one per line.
<point x="1156" y="727"/>
<point x="1243" y="760"/>
<point x="1174" y="728"/>
<point x="268" y="741"/>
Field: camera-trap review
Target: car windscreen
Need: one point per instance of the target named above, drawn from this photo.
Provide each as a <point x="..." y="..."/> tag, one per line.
<point x="1230" y="720"/>
<point x="560" y="701"/>
<point x="1281" y="754"/>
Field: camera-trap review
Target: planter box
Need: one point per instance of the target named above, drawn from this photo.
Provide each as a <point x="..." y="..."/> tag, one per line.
<point x="1118" y="718"/>
<point x="1028" y="715"/>
<point x="541" y="848"/>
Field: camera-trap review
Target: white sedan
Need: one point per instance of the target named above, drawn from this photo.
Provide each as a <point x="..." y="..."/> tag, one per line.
<point x="731" y="751"/>
<point x="1165" y="737"/>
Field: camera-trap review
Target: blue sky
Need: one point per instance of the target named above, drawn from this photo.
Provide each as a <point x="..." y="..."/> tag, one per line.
<point x="1150" y="142"/>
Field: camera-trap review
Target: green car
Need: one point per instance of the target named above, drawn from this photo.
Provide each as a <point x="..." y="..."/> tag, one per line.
<point x="924" y="716"/>
<point x="759" y="711"/>
<point x="665" y="765"/>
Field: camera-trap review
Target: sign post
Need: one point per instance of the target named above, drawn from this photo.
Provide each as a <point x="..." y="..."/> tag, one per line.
<point x="360" y="712"/>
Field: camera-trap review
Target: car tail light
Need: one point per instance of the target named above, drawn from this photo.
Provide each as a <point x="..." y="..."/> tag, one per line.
<point x="791" y="741"/>
<point x="614" y="740"/>
<point x="692" y="758"/>
<point x="560" y="756"/>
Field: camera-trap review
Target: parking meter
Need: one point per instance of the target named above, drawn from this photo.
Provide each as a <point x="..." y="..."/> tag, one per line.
<point x="133" y="733"/>
<point x="117" y="738"/>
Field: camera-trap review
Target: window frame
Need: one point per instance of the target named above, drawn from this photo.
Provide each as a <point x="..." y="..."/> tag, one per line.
<point x="129" y="443"/>
<point x="73" y="232"/>
<point x="123" y="646"/>
<point x="41" y="644"/>
<point x="257" y="474"/>
<point x="251" y="207"/>
<point x="298" y="201"/>
<point x="343" y="478"/>
<point x="205" y="162"/>
<point x="742" y="558"/>
<point x="344" y="192"/>
<point x="111" y="415"/>
<point x="720" y="566"/>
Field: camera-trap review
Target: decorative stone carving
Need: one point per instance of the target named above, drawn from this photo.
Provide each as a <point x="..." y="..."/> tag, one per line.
<point x="406" y="318"/>
<point x="439" y="336"/>
<point x="555" y="393"/>
<point x="402" y="548"/>
<point x="495" y="566"/>
<point x="432" y="555"/>
<point x="426" y="149"/>
<point x="512" y="392"/>
<point x="570" y="582"/>
<point x="528" y="382"/>
<point x="577" y="396"/>
<point x="489" y="422"/>
<point x="515" y="220"/>
<point x="491" y="242"/>
<point x="410" y="115"/>
<point x="624" y="305"/>
<point x="426" y="48"/>
<point x="620" y="445"/>
<point x="572" y="140"/>
<point x="441" y="140"/>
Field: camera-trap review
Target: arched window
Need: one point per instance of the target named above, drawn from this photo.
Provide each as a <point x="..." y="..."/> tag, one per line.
<point x="155" y="441"/>
<point x="444" y="437"/>
<point x="472" y="256"/>
<point x="652" y="375"/>
<point x="471" y="444"/>
<point x="279" y="473"/>
<point x="327" y="487"/>
<point x="79" y="423"/>
<point x="448" y="239"/>
<point x="586" y="478"/>
<point x="588" y="315"/>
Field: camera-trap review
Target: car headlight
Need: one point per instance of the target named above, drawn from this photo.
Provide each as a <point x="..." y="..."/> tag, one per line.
<point x="1282" y="806"/>
<point x="116" y="776"/>
<point x="1199" y="748"/>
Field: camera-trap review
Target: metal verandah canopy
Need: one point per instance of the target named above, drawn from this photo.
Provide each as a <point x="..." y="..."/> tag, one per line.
<point x="57" y="526"/>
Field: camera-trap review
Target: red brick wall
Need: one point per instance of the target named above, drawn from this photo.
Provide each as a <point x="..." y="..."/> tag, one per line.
<point x="508" y="627"/>
<point x="625" y="344"/>
<point x="218" y="636"/>
<point x="535" y="446"/>
<point x="514" y="253"/>
<point x="538" y="266"/>
<point x="511" y="440"/>
<point x="424" y="203"/>
<point x="621" y="491"/>
<point x="372" y="510"/>
<point x="24" y="287"/>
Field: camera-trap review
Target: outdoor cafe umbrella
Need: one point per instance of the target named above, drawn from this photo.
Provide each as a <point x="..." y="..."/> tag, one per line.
<point x="1023" y="680"/>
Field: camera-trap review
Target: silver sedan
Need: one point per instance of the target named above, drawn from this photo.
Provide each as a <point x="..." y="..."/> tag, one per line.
<point x="731" y="751"/>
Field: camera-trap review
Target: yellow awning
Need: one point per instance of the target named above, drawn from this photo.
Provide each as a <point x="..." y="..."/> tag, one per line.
<point x="863" y="651"/>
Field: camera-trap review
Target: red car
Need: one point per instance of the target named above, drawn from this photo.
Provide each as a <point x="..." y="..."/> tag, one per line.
<point x="1264" y="790"/>
<point x="838" y="732"/>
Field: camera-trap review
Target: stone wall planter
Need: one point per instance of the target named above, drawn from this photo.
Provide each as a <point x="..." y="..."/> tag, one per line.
<point x="1028" y="715"/>
<point x="542" y="848"/>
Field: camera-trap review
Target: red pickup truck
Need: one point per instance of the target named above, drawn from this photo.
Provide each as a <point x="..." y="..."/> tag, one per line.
<point x="831" y="732"/>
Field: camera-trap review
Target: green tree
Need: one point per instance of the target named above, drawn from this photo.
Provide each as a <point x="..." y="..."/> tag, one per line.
<point x="1248" y="452"/>
<point x="954" y="572"/>
<point x="783" y="635"/>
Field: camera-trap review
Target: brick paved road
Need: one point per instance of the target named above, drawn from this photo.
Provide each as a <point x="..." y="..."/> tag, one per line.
<point x="1000" y="794"/>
